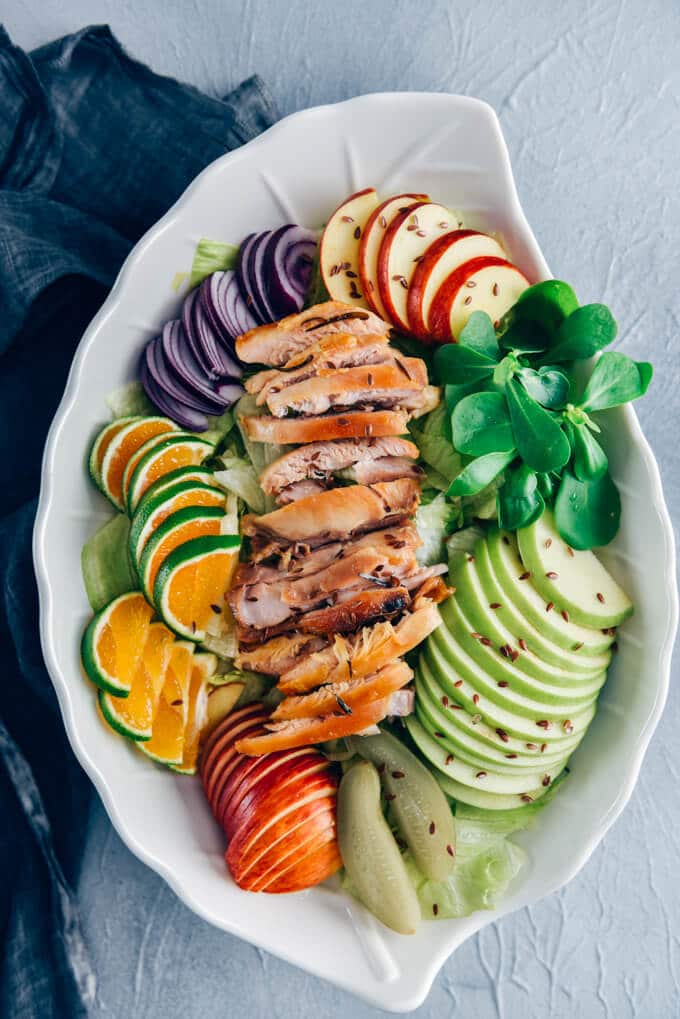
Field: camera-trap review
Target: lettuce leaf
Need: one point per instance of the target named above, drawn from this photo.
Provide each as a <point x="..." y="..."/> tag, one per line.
<point x="211" y="256"/>
<point x="105" y="563"/>
<point x="462" y="543"/>
<point x="478" y="881"/>
<point x="237" y="475"/>
<point x="434" y="445"/>
<point x="434" y="521"/>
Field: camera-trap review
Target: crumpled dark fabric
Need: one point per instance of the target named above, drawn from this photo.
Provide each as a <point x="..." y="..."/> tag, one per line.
<point x="94" y="148"/>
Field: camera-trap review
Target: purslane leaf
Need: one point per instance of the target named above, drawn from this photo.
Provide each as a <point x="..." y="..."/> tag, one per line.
<point x="587" y="513"/>
<point x="519" y="500"/>
<point x="478" y="334"/>
<point x="479" y="473"/>
<point x="616" y="379"/>
<point x="590" y="460"/>
<point x="548" y="386"/>
<point x="537" y="315"/>
<point x="481" y="424"/>
<point x="456" y="365"/>
<point x="587" y="330"/>
<point x="539" y="438"/>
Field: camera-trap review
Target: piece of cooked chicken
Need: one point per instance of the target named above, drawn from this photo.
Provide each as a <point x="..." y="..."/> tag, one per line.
<point x="339" y="350"/>
<point x="352" y="425"/>
<point x="362" y="653"/>
<point x="329" y="516"/>
<point x="349" y="613"/>
<point x="347" y="694"/>
<point x="319" y="460"/>
<point x="373" y="385"/>
<point x="279" y="654"/>
<point x="277" y="343"/>
<point x="269" y="603"/>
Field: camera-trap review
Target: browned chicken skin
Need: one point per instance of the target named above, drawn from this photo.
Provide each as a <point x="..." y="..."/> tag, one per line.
<point x="277" y="343"/>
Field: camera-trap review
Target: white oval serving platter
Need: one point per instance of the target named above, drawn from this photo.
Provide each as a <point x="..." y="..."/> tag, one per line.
<point x="451" y="147"/>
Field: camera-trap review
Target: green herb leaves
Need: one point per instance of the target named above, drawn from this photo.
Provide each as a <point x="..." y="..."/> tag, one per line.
<point x="481" y="424"/>
<point x="538" y="435"/>
<point x="616" y="379"/>
<point x="512" y="406"/>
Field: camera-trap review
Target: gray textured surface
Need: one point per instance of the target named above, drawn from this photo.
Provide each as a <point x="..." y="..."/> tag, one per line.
<point x="588" y="97"/>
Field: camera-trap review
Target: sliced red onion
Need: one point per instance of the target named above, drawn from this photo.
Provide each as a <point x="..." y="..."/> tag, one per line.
<point x="257" y="276"/>
<point x="192" y="339"/>
<point x="227" y="311"/>
<point x="181" y="360"/>
<point x="222" y="364"/>
<point x="229" y="392"/>
<point x="165" y="378"/>
<point x="244" y="277"/>
<point x="288" y="258"/>
<point x="238" y="308"/>
<point x="173" y="409"/>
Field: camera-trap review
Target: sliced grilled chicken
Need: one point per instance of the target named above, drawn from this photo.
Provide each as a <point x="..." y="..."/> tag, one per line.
<point x="279" y="654"/>
<point x="337" y="514"/>
<point x="356" y="610"/>
<point x="339" y="350"/>
<point x="384" y="468"/>
<point x="361" y="654"/>
<point x="301" y="490"/>
<point x="395" y="544"/>
<point x="277" y="343"/>
<point x="334" y="698"/>
<point x="425" y="573"/>
<point x="269" y="604"/>
<point x="352" y="425"/>
<point x="434" y="590"/>
<point x="375" y="385"/>
<point x="319" y="460"/>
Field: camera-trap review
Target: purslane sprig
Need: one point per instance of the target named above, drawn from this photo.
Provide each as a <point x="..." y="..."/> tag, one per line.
<point x="517" y="409"/>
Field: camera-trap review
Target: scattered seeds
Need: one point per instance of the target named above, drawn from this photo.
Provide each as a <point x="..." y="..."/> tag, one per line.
<point x="435" y="908"/>
<point x="524" y="576"/>
<point x="543" y="723"/>
<point x="551" y="575"/>
<point x="546" y="780"/>
<point x="503" y="683"/>
<point x="550" y="606"/>
<point x="502" y="734"/>
<point x="397" y="774"/>
<point x="432" y="828"/>
<point x="523" y="644"/>
<point x="480" y="774"/>
<point x="450" y="850"/>
<point x="357" y="233"/>
<point x="568" y="726"/>
<point x="495" y="605"/>
<point x="459" y="682"/>
<point x="449" y="759"/>
<point x="525" y="798"/>
<point x="600" y="597"/>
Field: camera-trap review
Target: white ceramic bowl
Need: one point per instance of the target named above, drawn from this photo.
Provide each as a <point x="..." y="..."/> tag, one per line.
<point x="297" y="171"/>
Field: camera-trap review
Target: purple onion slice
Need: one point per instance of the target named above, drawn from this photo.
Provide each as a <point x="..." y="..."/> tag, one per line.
<point x="238" y="308"/>
<point x="165" y="378"/>
<point x="257" y="276"/>
<point x="212" y="296"/>
<point x="288" y="260"/>
<point x="181" y="361"/>
<point x="229" y="392"/>
<point x="222" y="363"/>
<point x="244" y="278"/>
<point x="171" y="408"/>
<point x="191" y="337"/>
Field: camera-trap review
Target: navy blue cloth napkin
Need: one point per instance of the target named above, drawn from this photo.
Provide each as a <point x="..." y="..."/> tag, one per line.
<point x="94" y="148"/>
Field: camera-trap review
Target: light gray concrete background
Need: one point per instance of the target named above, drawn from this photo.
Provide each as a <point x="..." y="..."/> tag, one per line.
<point x="589" y="97"/>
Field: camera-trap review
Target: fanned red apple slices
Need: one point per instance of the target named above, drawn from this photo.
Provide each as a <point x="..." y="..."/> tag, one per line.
<point x="408" y="260"/>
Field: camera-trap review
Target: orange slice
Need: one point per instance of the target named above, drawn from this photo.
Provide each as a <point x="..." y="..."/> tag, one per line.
<point x="124" y="445"/>
<point x="204" y="666"/>
<point x="159" y="457"/>
<point x="101" y="444"/>
<point x="114" y="641"/>
<point x="133" y="715"/>
<point x="167" y="739"/>
<point x="178" y="528"/>
<point x="190" y="589"/>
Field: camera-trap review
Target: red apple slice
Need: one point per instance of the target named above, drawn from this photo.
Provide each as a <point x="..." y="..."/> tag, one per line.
<point x="404" y="242"/>
<point x="440" y="259"/>
<point x="306" y="825"/>
<point x="220" y="731"/>
<point x="339" y="249"/>
<point x="373" y="235"/>
<point x="316" y="867"/>
<point x="255" y="784"/>
<point x="224" y="755"/>
<point x="487" y="284"/>
<point x="269" y="816"/>
<point x="283" y="784"/>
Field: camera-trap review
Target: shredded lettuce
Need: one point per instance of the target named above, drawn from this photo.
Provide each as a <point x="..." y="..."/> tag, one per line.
<point x="129" y="400"/>
<point x="211" y="256"/>
<point x="484" y="869"/>
<point x="483" y="505"/>
<point x="105" y="563"/>
<point x="434" y="521"/>
<point x="219" y="427"/>
<point x="260" y="454"/>
<point x="434" y="445"/>
<point x="224" y="644"/>
<point x="237" y="475"/>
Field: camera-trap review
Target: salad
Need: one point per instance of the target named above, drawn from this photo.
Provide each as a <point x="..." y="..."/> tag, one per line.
<point x="350" y="579"/>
